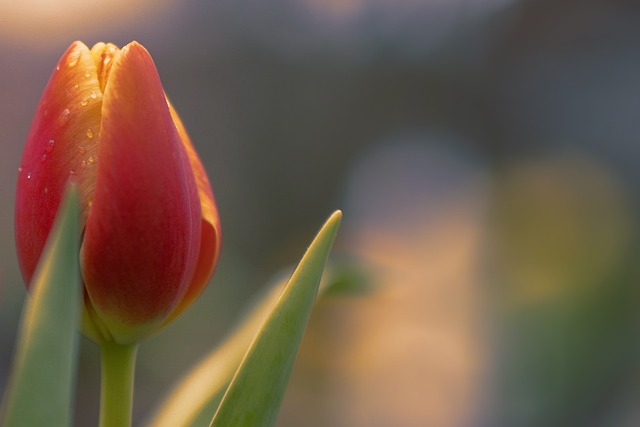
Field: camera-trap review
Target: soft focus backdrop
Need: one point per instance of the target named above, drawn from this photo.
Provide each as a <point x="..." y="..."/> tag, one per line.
<point x="484" y="153"/>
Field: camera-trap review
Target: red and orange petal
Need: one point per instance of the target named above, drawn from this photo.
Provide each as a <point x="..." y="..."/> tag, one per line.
<point x="211" y="233"/>
<point x="142" y="235"/>
<point x="61" y="144"/>
<point x="147" y="200"/>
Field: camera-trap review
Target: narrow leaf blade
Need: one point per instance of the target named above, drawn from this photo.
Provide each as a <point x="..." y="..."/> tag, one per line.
<point x="41" y="385"/>
<point x="254" y="396"/>
<point x="194" y="400"/>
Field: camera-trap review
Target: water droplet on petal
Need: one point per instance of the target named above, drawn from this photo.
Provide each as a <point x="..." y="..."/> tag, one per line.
<point x="87" y="74"/>
<point x="84" y="102"/>
<point x="81" y="149"/>
<point x="83" y="165"/>
<point x="29" y="175"/>
<point x="64" y="116"/>
<point x="91" y="160"/>
<point x="44" y="158"/>
<point x="58" y="67"/>
<point x="89" y="133"/>
<point x="93" y="95"/>
<point x="73" y="59"/>
<point x="50" y="144"/>
<point x="20" y="169"/>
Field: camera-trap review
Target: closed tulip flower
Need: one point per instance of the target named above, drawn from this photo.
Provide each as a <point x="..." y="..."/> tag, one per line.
<point x="151" y="234"/>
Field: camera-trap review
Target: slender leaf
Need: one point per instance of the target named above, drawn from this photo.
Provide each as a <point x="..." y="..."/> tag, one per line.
<point x="195" y="399"/>
<point x="41" y="385"/>
<point x="255" y="393"/>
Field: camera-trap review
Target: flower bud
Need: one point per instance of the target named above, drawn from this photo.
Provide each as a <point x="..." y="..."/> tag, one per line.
<point x="151" y="233"/>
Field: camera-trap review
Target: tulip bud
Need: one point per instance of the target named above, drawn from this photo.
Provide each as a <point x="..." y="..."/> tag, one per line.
<point x="151" y="233"/>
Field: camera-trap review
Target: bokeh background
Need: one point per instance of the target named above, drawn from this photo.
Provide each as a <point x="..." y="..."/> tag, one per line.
<point x="485" y="154"/>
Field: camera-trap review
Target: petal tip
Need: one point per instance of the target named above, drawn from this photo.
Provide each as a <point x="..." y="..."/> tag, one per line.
<point x="77" y="44"/>
<point x="135" y="48"/>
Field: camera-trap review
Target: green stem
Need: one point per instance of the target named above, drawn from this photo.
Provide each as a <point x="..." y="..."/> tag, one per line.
<point x="116" y="384"/>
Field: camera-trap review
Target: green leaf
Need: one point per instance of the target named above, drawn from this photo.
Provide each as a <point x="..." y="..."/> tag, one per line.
<point x="195" y="399"/>
<point x="41" y="384"/>
<point x="255" y="393"/>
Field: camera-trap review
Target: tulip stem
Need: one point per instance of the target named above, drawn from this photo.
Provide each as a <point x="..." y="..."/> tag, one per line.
<point x="116" y="384"/>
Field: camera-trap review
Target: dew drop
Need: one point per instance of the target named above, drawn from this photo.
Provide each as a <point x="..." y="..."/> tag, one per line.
<point x="87" y="74"/>
<point x="93" y="95"/>
<point x="76" y="86"/>
<point x="50" y="144"/>
<point x="58" y="67"/>
<point x="73" y="59"/>
<point x="64" y="116"/>
<point x="29" y="175"/>
<point x="83" y="165"/>
<point x="84" y="102"/>
<point x="81" y="149"/>
<point x="43" y="158"/>
<point x="20" y="169"/>
<point x="91" y="160"/>
<point x="89" y="133"/>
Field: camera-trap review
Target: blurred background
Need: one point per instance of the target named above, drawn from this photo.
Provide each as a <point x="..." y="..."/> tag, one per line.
<point x="485" y="155"/>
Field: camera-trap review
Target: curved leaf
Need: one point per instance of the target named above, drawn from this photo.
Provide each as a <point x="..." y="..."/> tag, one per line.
<point x="255" y="393"/>
<point x="195" y="399"/>
<point x="40" y="390"/>
<point x="193" y="402"/>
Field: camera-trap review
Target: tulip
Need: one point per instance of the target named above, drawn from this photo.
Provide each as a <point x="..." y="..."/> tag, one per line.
<point x="150" y="227"/>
